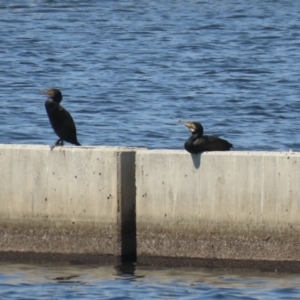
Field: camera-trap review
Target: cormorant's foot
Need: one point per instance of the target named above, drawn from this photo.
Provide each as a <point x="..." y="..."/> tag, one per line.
<point x="59" y="142"/>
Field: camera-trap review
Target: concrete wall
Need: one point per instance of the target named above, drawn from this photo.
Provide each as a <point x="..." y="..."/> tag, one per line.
<point x="68" y="200"/>
<point x="227" y="205"/>
<point x="160" y="203"/>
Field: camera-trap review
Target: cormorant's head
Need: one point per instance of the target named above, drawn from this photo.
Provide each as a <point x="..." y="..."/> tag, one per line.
<point x="194" y="127"/>
<point x="54" y="94"/>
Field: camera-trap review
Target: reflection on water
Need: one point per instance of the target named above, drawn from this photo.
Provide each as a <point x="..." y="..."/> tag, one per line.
<point x="129" y="281"/>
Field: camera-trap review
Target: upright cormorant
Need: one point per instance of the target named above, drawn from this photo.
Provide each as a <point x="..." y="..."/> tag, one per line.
<point x="60" y="119"/>
<point x="198" y="142"/>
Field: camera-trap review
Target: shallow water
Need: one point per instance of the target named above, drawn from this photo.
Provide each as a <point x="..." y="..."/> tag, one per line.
<point x="119" y="282"/>
<point x="130" y="69"/>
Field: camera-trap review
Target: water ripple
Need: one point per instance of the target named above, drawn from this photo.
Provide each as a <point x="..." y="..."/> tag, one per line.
<point x="134" y="282"/>
<point x="231" y="65"/>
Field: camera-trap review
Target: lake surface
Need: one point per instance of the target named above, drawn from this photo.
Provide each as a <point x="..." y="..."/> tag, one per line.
<point x="116" y="282"/>
<point x="130" y="69"/>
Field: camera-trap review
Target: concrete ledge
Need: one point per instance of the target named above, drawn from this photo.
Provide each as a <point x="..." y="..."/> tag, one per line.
<point x="97" y="201"/>
<point x="218" y="205"/>
<point x="68" y="200"/>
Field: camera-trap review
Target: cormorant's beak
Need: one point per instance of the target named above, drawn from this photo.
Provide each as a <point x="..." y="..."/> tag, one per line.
<point x="46" y="92"/>
<point x="189" y="125"/>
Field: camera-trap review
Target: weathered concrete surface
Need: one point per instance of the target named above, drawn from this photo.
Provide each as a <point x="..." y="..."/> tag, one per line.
<point x="84" y="202"/>
<point x="282" y="266"/>
<point x="218" y="205"/>
<point x="69" y="200"/>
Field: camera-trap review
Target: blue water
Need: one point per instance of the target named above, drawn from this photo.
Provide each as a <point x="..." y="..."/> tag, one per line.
<point x="32" y="282"/>
<point x="130" y="69"/>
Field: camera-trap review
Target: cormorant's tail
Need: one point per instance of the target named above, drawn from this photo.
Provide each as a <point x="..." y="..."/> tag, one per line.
<point x="77" y="144"/>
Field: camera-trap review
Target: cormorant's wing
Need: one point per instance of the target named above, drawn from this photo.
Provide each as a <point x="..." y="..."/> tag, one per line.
<point x="212" y="143"/>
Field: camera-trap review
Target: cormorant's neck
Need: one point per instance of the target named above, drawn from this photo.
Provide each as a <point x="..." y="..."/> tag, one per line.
<point x="196" y="134"/>
<point x="54" y="100"/>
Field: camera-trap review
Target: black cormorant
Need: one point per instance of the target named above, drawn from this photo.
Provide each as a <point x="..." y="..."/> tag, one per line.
<point x="198" y="142"/>
<point x="60" y="119"/>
